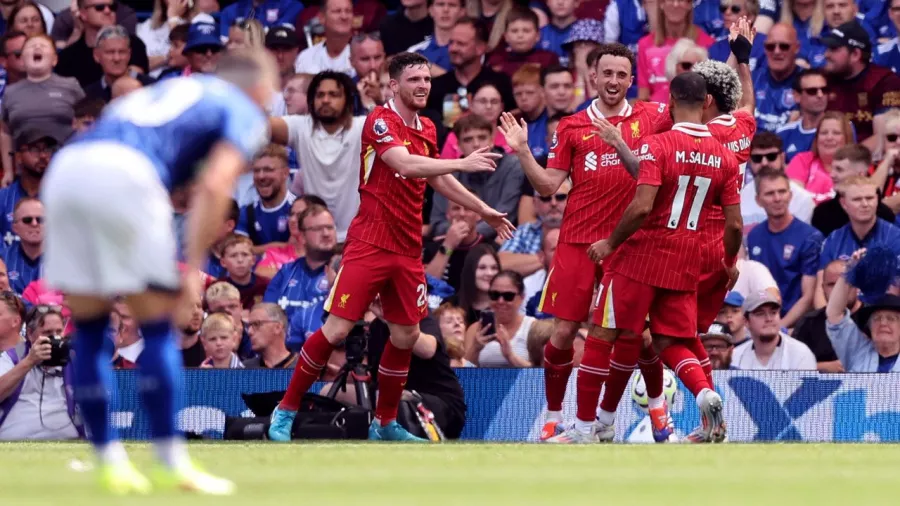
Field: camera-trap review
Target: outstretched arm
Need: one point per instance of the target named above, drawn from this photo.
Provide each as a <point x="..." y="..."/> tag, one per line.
<point x="409" y="165"/>
<point x="544" y="181"/>
<point x="450" y="187"/>
<point x="741" y="41"/>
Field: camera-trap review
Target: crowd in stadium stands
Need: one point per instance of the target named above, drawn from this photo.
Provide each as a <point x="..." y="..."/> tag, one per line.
<point x="823" y="179"/>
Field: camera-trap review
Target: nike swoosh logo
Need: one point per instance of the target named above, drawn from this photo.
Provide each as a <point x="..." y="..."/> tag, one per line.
<point x="586" y="137"/>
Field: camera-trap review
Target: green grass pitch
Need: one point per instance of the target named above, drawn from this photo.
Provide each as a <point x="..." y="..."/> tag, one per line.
<point x="328" y="474"/>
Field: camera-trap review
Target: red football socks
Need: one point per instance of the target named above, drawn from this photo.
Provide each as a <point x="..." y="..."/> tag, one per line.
<point x="557" y="369"/>
<point x="392" y="373"/>
<point x="686" y="366"/>
<point x="313" y="356"/>
<point x="652" y="371"/>
<point x="621" y="366"/>
<point x="696" y="346"/>
<point x="592" y="373"/>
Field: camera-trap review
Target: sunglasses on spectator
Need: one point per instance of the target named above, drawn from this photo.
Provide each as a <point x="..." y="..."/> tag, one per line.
<point x="560" y="197"/>
<point x="206" y="49"/>
<point x="768" y="156"/>
<point x="28" y="220"/>
<point x="507" y="296"/>
<point x="735" y="9"/>
<point x="891" y="137"/>
<point x="685" y="65"/>
<point x="102" y="7"/>
<point x="40" y="150"/>
<point x="812" y="92"/>
<point x="781" y="46"/>
<point x="362" y="36"/>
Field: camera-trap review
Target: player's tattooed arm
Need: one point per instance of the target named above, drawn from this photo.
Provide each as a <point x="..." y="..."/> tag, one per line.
<point x="734" y="229"/>
<point x="544" y="181"/>
<point x="612" y="135"/>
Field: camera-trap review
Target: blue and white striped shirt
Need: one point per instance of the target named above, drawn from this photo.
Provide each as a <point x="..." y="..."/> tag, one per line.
<point x="20" y="269"/>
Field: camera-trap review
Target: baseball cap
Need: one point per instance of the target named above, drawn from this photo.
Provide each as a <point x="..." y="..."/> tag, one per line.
<point x="202" y="35"/>
<point x="282" y="36"/>
<point x="734" y="299"/>
<point x="27" y="136"/>
<point x="755" y="300"/>
<point x="718" y="330"/>
<point x="850" y="34"/>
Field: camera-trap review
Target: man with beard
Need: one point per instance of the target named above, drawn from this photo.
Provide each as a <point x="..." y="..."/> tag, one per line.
<point x="302" y="285"/>
<point x="189" y="318"/>
<point x="265" y="221"/>
<point x="856" y="87"/>
<point x="33" y="151"/>
<point x="592" y="151"/>
<point x="383" y="255"/>
<point x="327" y="144"/>
<point x="769" y="347"/>
<point x="719" y="345"/>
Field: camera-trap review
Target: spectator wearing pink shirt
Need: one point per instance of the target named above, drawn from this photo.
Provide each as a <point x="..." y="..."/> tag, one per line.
<point x="487" y="102"/>
<point x="812" y="169"/>
<point x="295" y="247"/>
<point x="674" y="20"/>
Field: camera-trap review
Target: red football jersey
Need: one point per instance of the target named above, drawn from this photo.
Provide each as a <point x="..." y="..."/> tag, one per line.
<point x="693" y="171"/>
<point x="390" y="205"/>
<point x="735" y="133"/>
<point x="601" y="187"/>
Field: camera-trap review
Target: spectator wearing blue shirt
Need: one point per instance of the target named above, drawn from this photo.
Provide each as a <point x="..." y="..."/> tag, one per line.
<point x="33" y="151"/>
<point x="301" y="287"/>
<point x="888" y="53"/>
<point x="267" y="12"/>
<point x="23" y="259"/>
<point x="810" y="90"/>
<point x="266" y="220"/>
<point x="555" y="33"/>
<point x="774" y="77"/>
<point x="436" y="48"/>
<point x="520" y="253"/>
<point x="859" y="197"/>
<point x="788" y="247"/>
<point x="529" y="95"/>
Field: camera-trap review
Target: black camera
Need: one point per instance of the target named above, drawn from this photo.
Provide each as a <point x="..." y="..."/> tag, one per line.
<point x="59" y="352"/>
<point x="356" y="343"/>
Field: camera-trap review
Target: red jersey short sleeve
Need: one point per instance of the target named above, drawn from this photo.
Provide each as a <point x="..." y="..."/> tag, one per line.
<point x="649" y="172"/>
<point x="390" y="207"/>
<point x="560" y="156"/>
<point x="735" y="131"/>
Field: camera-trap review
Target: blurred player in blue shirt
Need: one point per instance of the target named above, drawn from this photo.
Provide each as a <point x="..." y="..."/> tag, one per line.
<point x="266" y="220"/>
<point x="859" y="197"/>
<point x="109" y="234"/>
<point x="787" y="246"/>
<point x="774" y="77"/>
<point x="888" y="54"/>
<point x="300" y="287"/>
<point x="23" y="258"/>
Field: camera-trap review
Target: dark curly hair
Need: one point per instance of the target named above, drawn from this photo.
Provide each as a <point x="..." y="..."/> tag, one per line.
<point x="611" y="49"/>
<point x="344" y="83"/>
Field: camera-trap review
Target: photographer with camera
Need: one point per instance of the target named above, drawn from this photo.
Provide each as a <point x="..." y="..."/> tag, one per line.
<point x="36" y="399"/>
<point x="430" y="382"/>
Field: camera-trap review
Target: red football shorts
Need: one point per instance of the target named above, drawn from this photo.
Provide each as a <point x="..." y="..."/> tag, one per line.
<point x="367" y="271"/>
<point x="569" y="288"/>
<point x="623" y="303"/>
<point x="711" y="292"/>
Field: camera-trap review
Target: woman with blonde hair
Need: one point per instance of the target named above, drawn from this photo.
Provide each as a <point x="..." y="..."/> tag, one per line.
<point x="812" y="169"/>
<point x="671" y="20"/>
<point x="246" y="33"/>
<point x="684" y="55"/>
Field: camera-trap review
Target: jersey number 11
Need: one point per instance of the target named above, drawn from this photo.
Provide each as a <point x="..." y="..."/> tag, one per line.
<point x="702" y="184"/>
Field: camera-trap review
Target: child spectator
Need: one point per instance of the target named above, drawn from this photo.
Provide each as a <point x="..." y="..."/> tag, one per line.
<point x="529" y="95"/>
<point x="219" y="338"/>
<point x="87" y="111"/>
<point x="521" y="36"/>
<point x="238" y="261"/>
<point x="562" y="18"/>
<point x="177" y="61"/>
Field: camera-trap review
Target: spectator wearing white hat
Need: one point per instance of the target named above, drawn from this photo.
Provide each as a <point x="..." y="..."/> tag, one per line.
<point x="868" y="341"/>
<point x="769" y="348"/>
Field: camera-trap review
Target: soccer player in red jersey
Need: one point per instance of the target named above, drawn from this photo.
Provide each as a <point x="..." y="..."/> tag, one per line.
<point x="651" y="261"/>
<point x="383" y="255"/>
<point x="593" y="148"/>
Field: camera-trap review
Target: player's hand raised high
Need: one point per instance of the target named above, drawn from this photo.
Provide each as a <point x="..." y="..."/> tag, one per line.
<point x="498" y="222"/>
<point x="516" y="133"/>
<point x="481" y="160"/>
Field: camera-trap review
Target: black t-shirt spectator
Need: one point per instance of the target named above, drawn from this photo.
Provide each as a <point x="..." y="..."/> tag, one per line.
<point x="398" y="33"/>
<point x="77" y="61"/>
<point x="193" y="356"/>
<point x="102" y="90"/>
<point x="448" y="86"/>
<point x="830" y="216"/>
<point x="810" y="330"/>
<point x="433" y="378"/>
